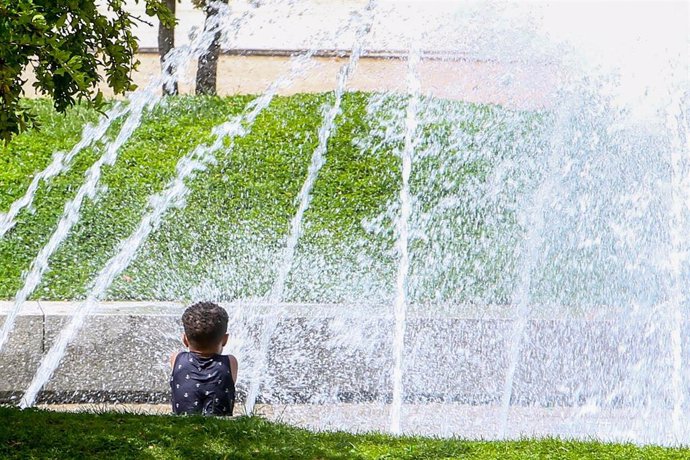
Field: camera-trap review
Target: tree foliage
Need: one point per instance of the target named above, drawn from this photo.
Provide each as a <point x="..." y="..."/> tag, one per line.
<point x="70" y="45"/>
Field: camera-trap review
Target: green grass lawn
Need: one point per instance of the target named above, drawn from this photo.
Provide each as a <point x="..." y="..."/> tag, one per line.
<point x="41" y="434"/>
<point x="225" y="242"/>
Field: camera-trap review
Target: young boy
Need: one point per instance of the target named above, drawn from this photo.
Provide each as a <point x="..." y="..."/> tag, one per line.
<point x="203" y="380"/>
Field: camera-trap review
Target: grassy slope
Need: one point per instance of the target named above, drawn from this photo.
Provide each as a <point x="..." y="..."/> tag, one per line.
<point x="238" y="213"/>
<point x="39" y="434"/>
<point x="254" y="184"/>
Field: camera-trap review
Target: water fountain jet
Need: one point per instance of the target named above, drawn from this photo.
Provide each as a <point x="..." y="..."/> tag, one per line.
<point x="403" y="239"/>
<point x="532" y="279"/>
<point x="303" y="199"/>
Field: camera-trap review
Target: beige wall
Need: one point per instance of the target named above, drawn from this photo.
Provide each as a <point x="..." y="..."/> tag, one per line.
<point x="305" y="24"/>
<point x="511" y="84"/>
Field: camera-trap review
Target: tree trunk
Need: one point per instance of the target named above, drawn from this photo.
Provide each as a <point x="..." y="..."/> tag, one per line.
<point x="166" y="42"/>
<point x="208" y="63"/>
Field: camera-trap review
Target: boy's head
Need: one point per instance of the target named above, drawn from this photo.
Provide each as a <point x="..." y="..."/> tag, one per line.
<point x="205" y="326"/>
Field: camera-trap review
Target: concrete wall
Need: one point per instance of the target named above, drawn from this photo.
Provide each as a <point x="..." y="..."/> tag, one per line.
<point x="317" y="356"/>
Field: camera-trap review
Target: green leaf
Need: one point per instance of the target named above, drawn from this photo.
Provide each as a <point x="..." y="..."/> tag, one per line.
<point x="68" y="66"/>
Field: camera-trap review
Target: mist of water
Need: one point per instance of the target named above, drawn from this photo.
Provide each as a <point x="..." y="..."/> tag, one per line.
<point x="173" y="196"/>
<point x="533" y="222"/>
<point x="526" y="268"/>
<point x="677" y="257"/>
<point x="318" y="159"/>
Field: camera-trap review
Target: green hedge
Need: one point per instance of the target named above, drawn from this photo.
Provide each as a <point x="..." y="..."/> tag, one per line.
<point x="225" y="243"/>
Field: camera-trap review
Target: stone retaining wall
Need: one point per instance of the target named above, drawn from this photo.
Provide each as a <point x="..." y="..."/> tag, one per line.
<point x="325" y="354"/>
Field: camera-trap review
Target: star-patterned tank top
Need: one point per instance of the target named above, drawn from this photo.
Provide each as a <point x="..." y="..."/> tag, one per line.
<point x="202" y="385"/>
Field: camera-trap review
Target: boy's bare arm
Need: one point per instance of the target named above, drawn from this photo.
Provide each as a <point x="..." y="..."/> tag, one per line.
<point x="172" y="358"/>
<point x="233" y="367"/>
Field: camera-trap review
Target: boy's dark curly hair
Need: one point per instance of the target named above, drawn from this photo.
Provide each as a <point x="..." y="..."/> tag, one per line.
<point x="205" y="323"/>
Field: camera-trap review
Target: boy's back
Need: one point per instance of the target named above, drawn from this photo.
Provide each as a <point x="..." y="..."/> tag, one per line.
<point x="202" y="379"/>
<point x="202" y="384"/>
